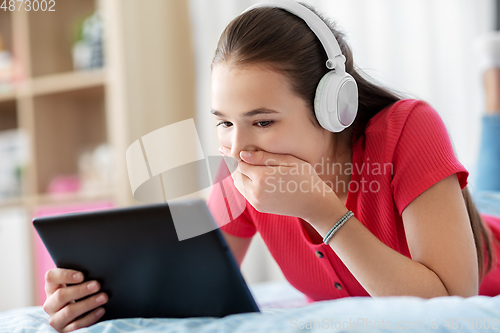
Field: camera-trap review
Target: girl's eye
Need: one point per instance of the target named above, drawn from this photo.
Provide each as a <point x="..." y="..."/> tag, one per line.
<point x="264" y="123"/>
<point x="224" y="124"/>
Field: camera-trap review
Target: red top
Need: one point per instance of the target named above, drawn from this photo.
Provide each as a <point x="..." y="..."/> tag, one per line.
<point x="411" y="137"/>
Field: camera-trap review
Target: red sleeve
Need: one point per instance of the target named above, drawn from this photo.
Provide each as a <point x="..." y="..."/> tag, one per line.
<point x="229" y="208"/>
<point x="423" y="153"/>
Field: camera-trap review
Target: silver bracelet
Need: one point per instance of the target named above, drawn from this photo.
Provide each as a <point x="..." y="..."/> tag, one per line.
<point x="337" y="226"/>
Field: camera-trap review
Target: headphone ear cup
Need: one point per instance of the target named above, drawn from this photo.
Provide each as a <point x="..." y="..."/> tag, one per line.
<point x="336" y="101"/>
<point x="319" y="110"/>
<point x="347" y="101"/>
<point x="325" y="106"/>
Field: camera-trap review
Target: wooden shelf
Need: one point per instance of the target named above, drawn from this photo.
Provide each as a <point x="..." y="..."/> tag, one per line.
<point x="66" y="124"/>
<point x="51" y="36"/>
<point x="55" y="199"/>
<point x="6" y="28"/>
<point x="8" y="96"/>
<point x="58" y="83"/>
<point x="12" y="202"/>
<point x="8" y="115"/>
<point x="68" y="198"/>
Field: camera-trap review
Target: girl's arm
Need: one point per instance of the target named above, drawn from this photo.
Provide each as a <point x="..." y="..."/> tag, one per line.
<point x="237" y="245"/>
<point x="439" y="238"/>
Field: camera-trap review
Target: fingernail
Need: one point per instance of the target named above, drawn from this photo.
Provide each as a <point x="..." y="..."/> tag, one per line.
<point x="78" y="276"/>
<point x="92" y="286"/>
<point x="99" y="312"/>
<point x="100" y="299"/>
<point x="246" y="154"/>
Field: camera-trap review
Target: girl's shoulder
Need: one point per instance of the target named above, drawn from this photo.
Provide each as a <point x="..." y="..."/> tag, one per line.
<point x="396" y="116"/>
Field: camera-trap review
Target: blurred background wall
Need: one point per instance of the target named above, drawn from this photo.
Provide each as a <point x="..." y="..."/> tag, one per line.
<point x="81" y="82"/>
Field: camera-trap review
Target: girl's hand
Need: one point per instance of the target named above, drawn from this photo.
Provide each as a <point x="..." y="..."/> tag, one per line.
<point x="282" y="184"/>
<point x="60" y="304"/>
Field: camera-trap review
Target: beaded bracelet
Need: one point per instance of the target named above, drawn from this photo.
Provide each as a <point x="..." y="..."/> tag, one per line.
<point x="337" y="226"/>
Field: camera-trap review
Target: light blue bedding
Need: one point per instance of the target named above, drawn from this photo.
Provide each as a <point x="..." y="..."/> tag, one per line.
<point x="354" y="314"/>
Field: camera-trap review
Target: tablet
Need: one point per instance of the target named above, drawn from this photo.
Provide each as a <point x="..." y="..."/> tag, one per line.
<point x="146" y="271"/>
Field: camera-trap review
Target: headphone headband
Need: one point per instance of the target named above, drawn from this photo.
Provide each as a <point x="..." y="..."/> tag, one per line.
<point x="336" y="59"/>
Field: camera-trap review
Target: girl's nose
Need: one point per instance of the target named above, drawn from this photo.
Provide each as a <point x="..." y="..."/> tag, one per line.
<point x="240" y="141"/>
<point x="235" y="153"/>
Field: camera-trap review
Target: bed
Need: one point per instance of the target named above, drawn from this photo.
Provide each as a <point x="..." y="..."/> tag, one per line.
<point x="284" y="309"/>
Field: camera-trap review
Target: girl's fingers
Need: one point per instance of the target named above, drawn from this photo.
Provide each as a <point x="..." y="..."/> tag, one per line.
<point x="246" y="170"/>
<point x="66" y="315"/>
<point x="240" y="177"/>
<point x="238" y="181"/>
<point x="57" y="277"/>
<point x="63" y="296"/>
<point x="261" y="157"/>
<point x="86" y="321"/>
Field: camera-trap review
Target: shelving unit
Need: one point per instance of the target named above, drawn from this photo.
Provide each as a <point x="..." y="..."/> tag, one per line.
<point x="61" y="110"/>
<point x="68" y="81"/>
<point x="65" y="112"/>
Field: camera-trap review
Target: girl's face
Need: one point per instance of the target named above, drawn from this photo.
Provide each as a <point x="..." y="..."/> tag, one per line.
<point x="256" y="109"/>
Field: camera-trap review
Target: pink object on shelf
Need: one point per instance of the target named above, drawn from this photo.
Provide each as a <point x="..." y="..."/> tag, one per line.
<point x="43" y="261"/>
<point x="64" y="184"/>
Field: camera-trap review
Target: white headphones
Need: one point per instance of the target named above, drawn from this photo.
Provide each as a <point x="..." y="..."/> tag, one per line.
<point x="336" y="99"/>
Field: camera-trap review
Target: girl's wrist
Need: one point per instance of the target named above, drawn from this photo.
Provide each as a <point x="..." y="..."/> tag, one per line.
<point x="326" y="212"/>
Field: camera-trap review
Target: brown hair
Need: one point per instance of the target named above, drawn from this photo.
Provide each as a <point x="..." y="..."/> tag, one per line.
<point x="276" y="38"/>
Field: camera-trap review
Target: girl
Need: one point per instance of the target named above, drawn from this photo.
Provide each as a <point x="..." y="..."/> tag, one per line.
<point x="415" y="230"/>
